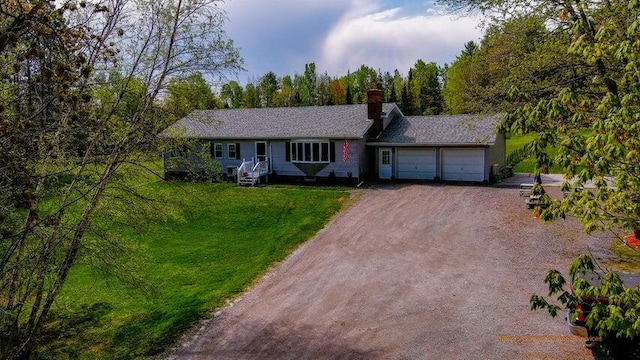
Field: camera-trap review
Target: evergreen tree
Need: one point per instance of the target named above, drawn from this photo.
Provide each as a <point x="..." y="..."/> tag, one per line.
<point x="348" y="95"/>
<point x="268" y="88"/>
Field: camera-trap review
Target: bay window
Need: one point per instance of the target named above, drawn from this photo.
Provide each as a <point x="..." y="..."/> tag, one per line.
<point x="310" y="151"/>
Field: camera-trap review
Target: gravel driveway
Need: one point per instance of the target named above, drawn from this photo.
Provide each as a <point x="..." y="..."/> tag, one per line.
<point x="408" y="272"/>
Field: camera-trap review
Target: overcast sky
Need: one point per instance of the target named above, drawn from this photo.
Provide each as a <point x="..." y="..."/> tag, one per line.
<point x="340" y="35"/>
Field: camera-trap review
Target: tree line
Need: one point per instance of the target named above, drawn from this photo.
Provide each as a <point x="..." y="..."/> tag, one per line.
<point x="521" y="52"/>
<point x="418" y="93"/>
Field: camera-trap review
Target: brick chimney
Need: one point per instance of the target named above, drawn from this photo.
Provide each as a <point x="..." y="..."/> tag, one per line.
<point x="374" y="109"/>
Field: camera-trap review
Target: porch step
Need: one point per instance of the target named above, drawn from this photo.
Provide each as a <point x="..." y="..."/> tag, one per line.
<point x="248" y="181"/>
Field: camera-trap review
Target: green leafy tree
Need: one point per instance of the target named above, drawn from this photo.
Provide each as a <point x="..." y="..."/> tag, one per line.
<point x="388" y="85"/>
<point x="348" y="94"/>
<point x="232" y="94"/>
<point x="470" y="48"/>
<point x="70" y="134"/>
<point x="364" y="79"/>
<point x="425" y="88"/>
<point x="407" y="98"/>
<point x="464" y="82"/>
<point x="520" y="51"/>
<point x="309" y="84"/>
<point x="251" y="96"/>
<point x="398" y="85"/>
<point x="268" y="87"/>
<point x="299" y="93"/>
<point x="595" y="124"/>
<point x="187" y="94"/>
<point x="285" y="95"/>
<point x="323" y="90"/>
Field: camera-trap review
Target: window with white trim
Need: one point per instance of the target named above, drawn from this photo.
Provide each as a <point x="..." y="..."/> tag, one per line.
<point x="386" y="157"/>
<point x="310" y="151"/>
<point x="232" y="151"/>
<point x="217" y="150"/>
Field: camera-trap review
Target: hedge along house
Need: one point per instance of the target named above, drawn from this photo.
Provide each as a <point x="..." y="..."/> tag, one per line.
<point x="443" y="147"/>
<point x="313" y="143"/>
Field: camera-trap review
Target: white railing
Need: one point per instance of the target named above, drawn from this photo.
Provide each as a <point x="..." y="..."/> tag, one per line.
<point x="249" y="171"/>
<point x="261" y="168"/>
<point x="244" y="170"/>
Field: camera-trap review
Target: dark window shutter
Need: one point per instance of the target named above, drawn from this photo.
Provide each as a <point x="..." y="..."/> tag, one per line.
<point x="212" y="148"/>
<point x="238" y="151"/>
<point x="287" y="151"/>
<point x="332" y="151"/>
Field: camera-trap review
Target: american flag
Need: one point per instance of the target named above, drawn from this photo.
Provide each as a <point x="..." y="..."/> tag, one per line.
<point x="345" y="151"/>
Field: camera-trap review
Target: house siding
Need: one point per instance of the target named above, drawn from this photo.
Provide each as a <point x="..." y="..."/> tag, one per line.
<point x="247" y="151"/>
<point x="487" y="163"/>
<point x="342" y="169"/>
<point x="364" y="168"/>
<point x="278" y="127"/>
<point x="352" y="168"/>
<point x="280" y="165"/>
<point x="497" y="152"/>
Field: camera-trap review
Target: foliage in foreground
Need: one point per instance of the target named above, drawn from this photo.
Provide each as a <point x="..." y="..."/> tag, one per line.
<point x="213" y="242"/>
<point x="613" y="315"/>
<point x="596" y="130"/>
<point x="70" y="127"/>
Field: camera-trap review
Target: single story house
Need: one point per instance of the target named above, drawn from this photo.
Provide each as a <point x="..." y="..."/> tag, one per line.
<point x="345" y="143"/>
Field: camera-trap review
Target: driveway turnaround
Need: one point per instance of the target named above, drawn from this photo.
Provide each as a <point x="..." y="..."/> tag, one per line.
<point x="408" y="272"/>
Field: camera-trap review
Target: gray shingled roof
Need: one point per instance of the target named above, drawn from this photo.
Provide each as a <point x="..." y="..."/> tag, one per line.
<point x="440" y="130"/>
<point x="339" y="121"/>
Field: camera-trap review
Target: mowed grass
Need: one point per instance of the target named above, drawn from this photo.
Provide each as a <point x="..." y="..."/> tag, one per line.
<point x="517" y="141"/>
<point x="528" y="164"/>
<point x="224" y="238"/>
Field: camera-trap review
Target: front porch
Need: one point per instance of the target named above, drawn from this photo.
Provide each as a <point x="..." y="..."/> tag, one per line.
<point x="250" y="172"/>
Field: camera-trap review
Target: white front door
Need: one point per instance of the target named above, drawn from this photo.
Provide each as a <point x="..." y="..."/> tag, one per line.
<point x="385" y="168"/>
<point x="263" y="150"/>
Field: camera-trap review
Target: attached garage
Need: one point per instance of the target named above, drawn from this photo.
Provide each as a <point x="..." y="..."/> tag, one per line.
<point x="463" y="164"/>
<point x="444" y="147"/>
<point x="416" y="163"/>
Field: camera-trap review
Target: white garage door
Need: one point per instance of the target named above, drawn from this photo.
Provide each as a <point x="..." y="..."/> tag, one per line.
<point x="416" y="164"/>
<point x="463" y="164"/>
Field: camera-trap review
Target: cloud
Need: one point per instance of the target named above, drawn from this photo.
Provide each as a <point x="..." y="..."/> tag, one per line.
<point x="387" y="40"/>
<point x="281" y="35"/>
<point x="341" y="35"/>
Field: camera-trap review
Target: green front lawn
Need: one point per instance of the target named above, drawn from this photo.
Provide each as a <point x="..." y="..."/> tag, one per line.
<point x="223" y="238"/>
